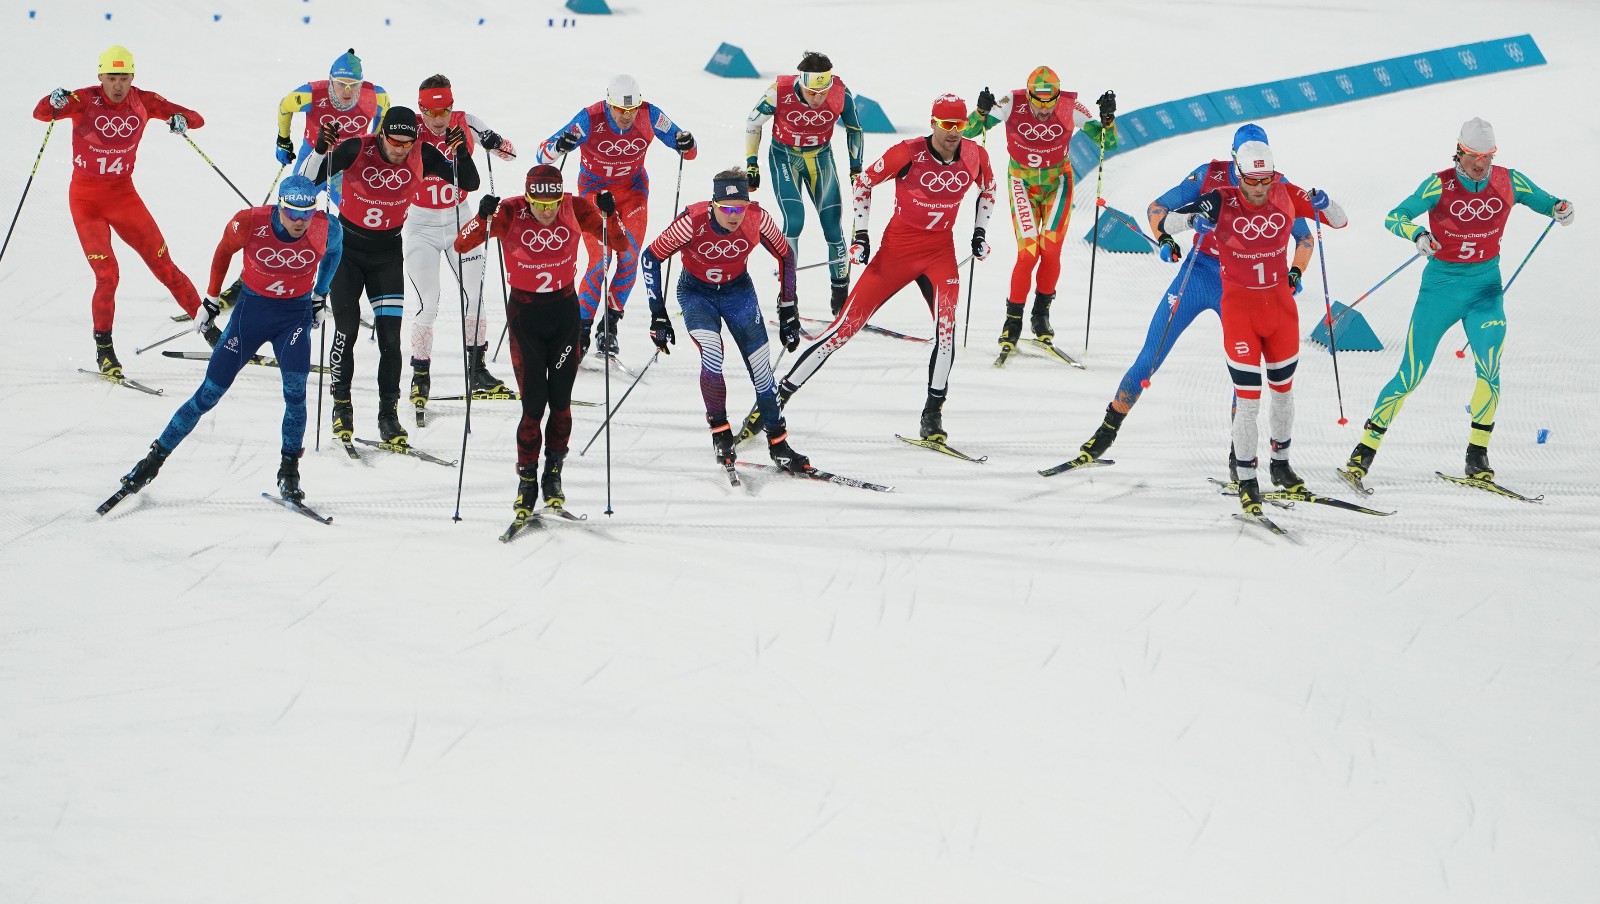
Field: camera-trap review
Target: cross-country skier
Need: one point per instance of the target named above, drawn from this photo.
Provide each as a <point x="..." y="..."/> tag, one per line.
<point x="541" y="234"/>
<point x="1195" y="288"/>
<point x="1040" y="121"/>
<point x="614" y="135"/>
<point x="1467" y="207"/>
<point x="1252" y="223"/>
<point x="716" y="239"/>
<point x="384" y="170"/>
<point x="804" y="108"/>
<point x="438" y="212"/>
<point x="354" y="106"/>
<point x="931" y="176"/>
<point x="291" y="251"/>
<point x="108" y="120"/>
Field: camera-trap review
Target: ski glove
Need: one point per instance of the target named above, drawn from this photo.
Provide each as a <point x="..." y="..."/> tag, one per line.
<point x="206" y="315"/>
<point x="684" y="142"/>
<point x="980" y="248"/>
<point x="1426" y="243"/>
<point x="319" y="310"/>
<point x="861" y="248"/>
<point x="487" y="205"/>
<point x="1319" y="199"/>
<point x="566" y="142"/>
<point x="492" y="142"/>
<point x="985" y="102"/>
<point x="1294" y="279"/>
<point x="455" y="140"/>
<point x="1108" y="107"/>
<point x="661" y="331"/>
<point x="607" y="203"/>
<point x="789" y="325"/>
<point x="285" y="150"/>
<point x="1203" y="224"/>
<point x="1563" y="212"/>
<point x="752" y="171"/>
<point x="1168" y="248"/>
<point x="327" y="136"/>
<point x="177" y="123"/>
<point x="59" y="97"/>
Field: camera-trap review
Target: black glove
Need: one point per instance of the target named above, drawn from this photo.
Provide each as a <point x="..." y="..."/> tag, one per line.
<point x="854" y="174"/>
<point x="1167" y="247"/>
<point x="326" y="136"/>
<point x="487" y="205"/>
<point x="490" y="139"/>
<point x="789" y="325"/>
<point x="455" y="140"/>
<point x="752" y="172"/>
<point x="285" y="150"/>
<point x="980" y="248"/>
<point x="985" y="101"/>
<point x="684" y="142"/>
<point x="861" y="247"/>
<point x="1108" y="107"/>
<point x="661" y="331"/>
<point x="566" y="142"/>
<point x="606" y="203"/>
<point x="1294" y="279"/>
<point x="319" y="310"/>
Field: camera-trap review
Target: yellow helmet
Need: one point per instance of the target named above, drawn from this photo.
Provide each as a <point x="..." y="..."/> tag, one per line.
<point x="116" y="59"/>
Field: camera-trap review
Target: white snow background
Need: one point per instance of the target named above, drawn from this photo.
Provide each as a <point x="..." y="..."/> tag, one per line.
<point x="985" y="686"/>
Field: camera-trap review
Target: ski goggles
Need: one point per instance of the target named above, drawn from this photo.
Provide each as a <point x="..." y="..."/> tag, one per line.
<point x="346" y="83"/>
<point x="1474" y="156"/>
<point x="295" y="212"/>
<point x="543" y="203"/>
<point x="949" y="125"/>
<point x="1044" y="101"/>
<point x="732" y="210"/>
<point x="439" y="111"/>
<point x="402" y="144"/>
<point x="816" y="81"/>
<point x="620" y="108"/>
<point x="1257" y="180"/>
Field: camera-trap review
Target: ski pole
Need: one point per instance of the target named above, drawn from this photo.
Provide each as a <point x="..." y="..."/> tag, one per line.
<point x="1172" y="309"/>
<point x="1094" y="251"/>
<point x="40" y="156"/>
<point x="1462" y="351"/>
<point x="1327" y="309"/>
<point x="500" y="252"/>
<point x="666" y="276"/>
<point x="611" y="412"/>
<point x="274" y="184"/>
<point x="972" y="268"/>
<point x="606" y="325"/>
<point x="469" y="351"/>
<point x="322" y="369"/>
<point x="1409" y="261"/>
<point x="826" y="263"/>
<point x="215" y="167"/>
<point x="160" y="342"/>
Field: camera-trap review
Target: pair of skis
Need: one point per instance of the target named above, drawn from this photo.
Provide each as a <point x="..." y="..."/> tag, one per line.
<point x="123" y="381"/>
<point x="398" y="446"/>
<point x="1477" y="483"/>
<point x="536" y="520"/>
<point x="294" y="505"/>
<point x="1006" y="353"/>
<point x="261" y="360"/>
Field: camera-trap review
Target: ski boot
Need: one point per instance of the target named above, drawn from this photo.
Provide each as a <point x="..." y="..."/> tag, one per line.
<point x="344" y="418"/>
<point x="608" y="333"/>
<point x="784" y="455"/>
<point x="1250" y="496"/>
<point x="932" y="427"/>
<point x="289" y="478"/>
<point x="211" y="334"/>
<point x="755" y="421"/>
<point x="1104" y="435"/>
<point x="1285" y="477"/>
<point x="527" y="491"/>
<point x="421" y="381"/>
<point x="585" y="339"/>
<point x="1478" y="462"/>
<point x="230" y="295"/>
<point x="1041" y="316"/>
<point x="147" y="468"/>
<point x="722" y="442"/>
<point x="1233" y="467"/>
<point x="106" y="356"/>
<point x="1011" y="332"/>
<point x="485" y="385"/>
<point x="389" y="428"/>
<point x="550" y="481"/>
<point x="841" y="293"/>
<point x="1360" y="460"/>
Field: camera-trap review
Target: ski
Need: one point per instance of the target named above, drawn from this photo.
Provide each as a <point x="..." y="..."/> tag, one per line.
<point x="825" y="476"/>
<point x="123" y="381"/>
<point x="1050" y="347"/>
<point x="1077" y="464"/>
<point x="519" y="525"/>
<point x="349" y="447"/>
<point x="1308" y="496"/>
<point x="116" y="497"/>
<point x="262" y="360"/>
<point x="1263" y="521"/>
<point x="938" y="446"/>
<point x="422" y="416"/>
<point x="300" y="507"/>
<point x="1355" y="483"/>
<point x="560" y="511"/>
<point x="402" y="447"/>
<point x="1005" y="355"/>
<point x="733" y="476"/>
<point x="1231" y="488"/>
<point x="1490" y="486"/>
<point x="615" y="362"/>
<point x="873" y="328"/>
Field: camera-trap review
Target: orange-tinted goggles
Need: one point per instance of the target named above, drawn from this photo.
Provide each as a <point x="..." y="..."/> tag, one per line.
<point x="950" y="125"/>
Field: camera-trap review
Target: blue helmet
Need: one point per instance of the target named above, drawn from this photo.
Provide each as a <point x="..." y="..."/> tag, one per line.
<point x="348" y="65"/>
<point x="299" y="195"/>
<point x="1249" y="132"/>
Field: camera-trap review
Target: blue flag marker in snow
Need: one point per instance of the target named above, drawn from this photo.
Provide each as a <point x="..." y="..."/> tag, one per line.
<point x="589" y="7"/>
<point x="731" y="62"/>
<point x="1120" y="232"/>
<point x="1350" y="329"/>
<point x="871" y="115"/>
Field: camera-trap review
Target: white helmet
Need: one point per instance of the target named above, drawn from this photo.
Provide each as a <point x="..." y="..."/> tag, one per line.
<point x="1254" y="158"/>
<point x="624" y="92"/>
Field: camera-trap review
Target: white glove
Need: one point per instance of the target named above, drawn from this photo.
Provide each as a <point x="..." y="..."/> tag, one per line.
<point x="1426" y="243"/>
<point x="178" y="123"/>
<point x="59" y="98"/>
<point x="1177" y="223"/>
<point x="1564" y="213"/>
<point x="207" y="314"/>
<point x="319" y="310"/>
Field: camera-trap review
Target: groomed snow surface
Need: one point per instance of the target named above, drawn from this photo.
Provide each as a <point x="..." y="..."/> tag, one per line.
<point x="984" y="687"/>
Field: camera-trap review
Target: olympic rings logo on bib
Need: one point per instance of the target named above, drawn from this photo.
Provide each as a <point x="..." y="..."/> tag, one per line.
<point x="1477" y="209"/>
<point x="1039" y="132"/>
<point x="622" y="147"/>
<point x="1260" y="227"/>
<point x="117" y="126"/>
<point x="545" y="239"/>
<point x="809" y="117"/>
<point x="949" y="181"/>
<point x="725" y="248"/>
<point x="388" y="179"/>
<point x="285" y="258"/>
<point x="349" y="124"/>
